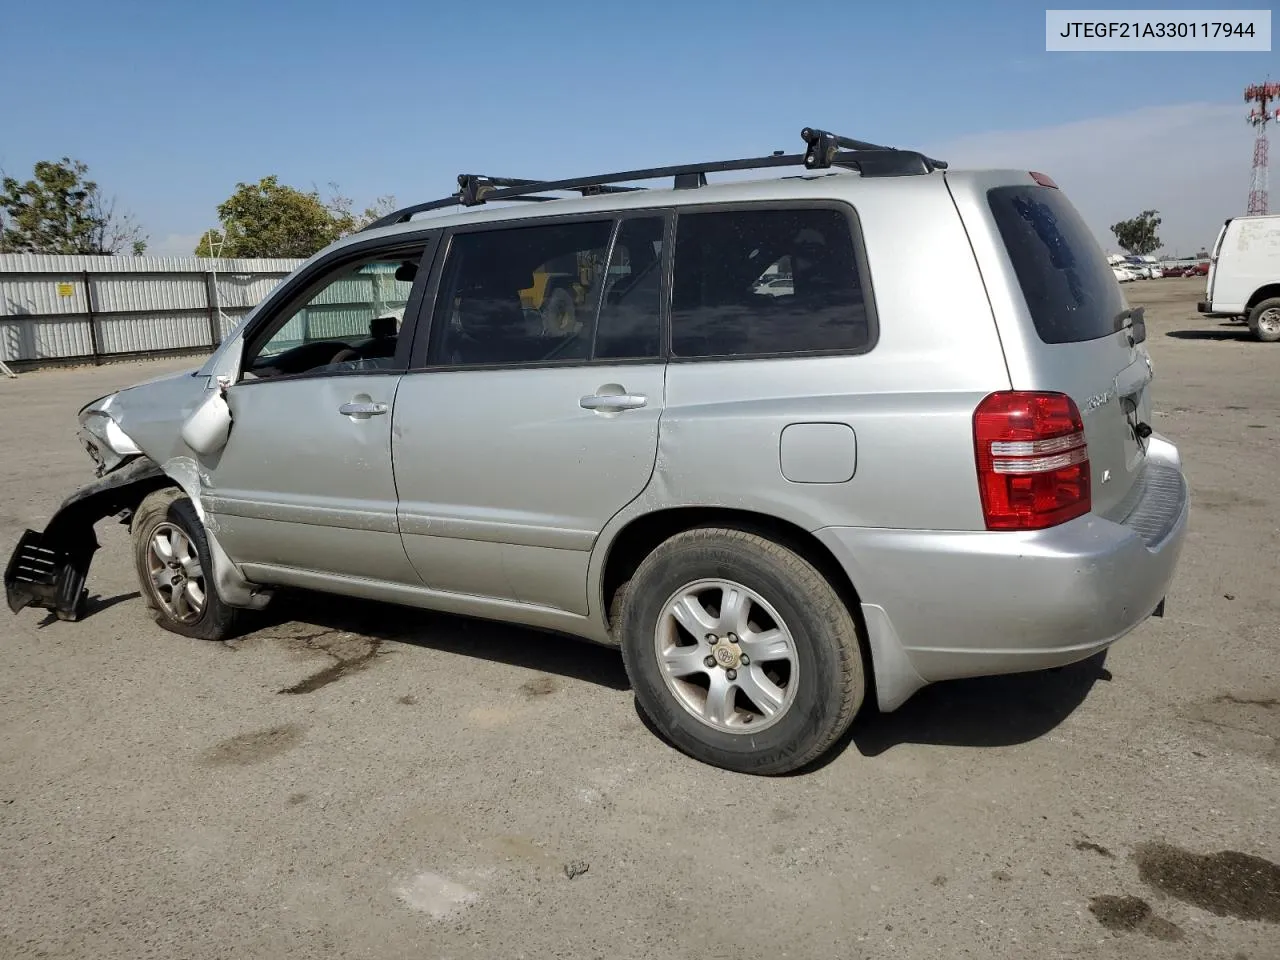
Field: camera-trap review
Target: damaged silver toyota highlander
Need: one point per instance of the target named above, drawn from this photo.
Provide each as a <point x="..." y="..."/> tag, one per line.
<point x="725" y="428"/>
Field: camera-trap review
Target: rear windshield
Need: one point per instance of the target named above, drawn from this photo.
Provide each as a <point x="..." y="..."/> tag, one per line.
<point x="1069" y="287"/>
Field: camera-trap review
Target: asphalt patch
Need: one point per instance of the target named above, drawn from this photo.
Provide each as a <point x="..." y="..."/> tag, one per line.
<point x="341" y="667"/>
<point x="1227" y="883"/>
<point x="248" y="748"/>
<point x="1133" y="914"/>
<point x="539" y="686"/>
<point x="1266" y="703"/>
<point x="1092" y="847"/>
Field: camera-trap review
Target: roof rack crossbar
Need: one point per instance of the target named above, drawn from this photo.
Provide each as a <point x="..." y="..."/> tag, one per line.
<point x="825" y="150"/>
<point x="474" y="188"/>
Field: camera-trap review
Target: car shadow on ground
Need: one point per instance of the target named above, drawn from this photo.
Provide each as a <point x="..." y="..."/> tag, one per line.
<point x="92" y="605"/>
<point x="982" y="711"/>
<point x="1225" y="331"/>
<point x="977" y="712"/>
<point x="545" y="652"/>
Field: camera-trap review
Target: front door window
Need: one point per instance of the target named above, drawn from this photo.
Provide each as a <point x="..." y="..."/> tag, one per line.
<point x="351" y="323"/>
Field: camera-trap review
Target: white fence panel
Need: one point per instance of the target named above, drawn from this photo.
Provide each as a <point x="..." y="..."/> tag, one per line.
<point x="73" y="308"/>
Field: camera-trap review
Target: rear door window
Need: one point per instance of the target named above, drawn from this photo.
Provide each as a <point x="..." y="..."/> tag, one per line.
<point x="1070" y="289"/>
<point x="767" y="282"/>
<point x="519" y="295"/>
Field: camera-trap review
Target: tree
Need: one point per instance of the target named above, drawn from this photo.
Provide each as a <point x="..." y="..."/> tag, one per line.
<point x="268" y="219"/>
<point x="59" y="211"/>
<point x="1139" y="234"/>
<point x="342" y="207"/>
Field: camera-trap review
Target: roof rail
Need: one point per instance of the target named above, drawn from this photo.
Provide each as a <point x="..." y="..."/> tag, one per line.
<point x="823" y="151"/>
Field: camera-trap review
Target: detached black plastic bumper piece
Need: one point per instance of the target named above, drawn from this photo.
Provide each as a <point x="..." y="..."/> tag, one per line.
<point x="49" y="571"/>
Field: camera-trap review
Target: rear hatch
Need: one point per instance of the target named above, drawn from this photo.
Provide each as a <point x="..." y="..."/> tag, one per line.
<point x="1077" y="334"/>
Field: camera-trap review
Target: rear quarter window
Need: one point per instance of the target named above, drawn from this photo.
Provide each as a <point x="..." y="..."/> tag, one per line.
<point x="1069" y="287"/>
<point x="768" y="282"/>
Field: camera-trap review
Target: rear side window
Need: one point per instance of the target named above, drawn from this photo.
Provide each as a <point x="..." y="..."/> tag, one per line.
<point x="766" y="282"/>
<point x="1069" y="287"/>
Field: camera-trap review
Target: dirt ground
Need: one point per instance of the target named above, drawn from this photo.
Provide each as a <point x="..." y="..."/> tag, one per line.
<point x="353" y="780"/>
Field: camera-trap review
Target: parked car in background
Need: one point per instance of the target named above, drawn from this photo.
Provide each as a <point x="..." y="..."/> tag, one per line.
<point x="776" y="287"/>
<point x="1243" y="279"/>
<point x="775" y="506"/>
<point x="1144" y="268"/>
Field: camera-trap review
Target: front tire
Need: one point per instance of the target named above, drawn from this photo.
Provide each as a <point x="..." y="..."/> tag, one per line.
<point x="740" y="652"/>
<point x="1264" y="320"/>
<point x="175" y="568"/>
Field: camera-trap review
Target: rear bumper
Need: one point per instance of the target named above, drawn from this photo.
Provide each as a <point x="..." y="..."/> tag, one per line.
<point x="1211" y="308"/>
<point x="941" y="605"/>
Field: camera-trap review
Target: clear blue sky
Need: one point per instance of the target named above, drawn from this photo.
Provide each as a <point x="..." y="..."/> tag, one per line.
<point x="170" y="104"/>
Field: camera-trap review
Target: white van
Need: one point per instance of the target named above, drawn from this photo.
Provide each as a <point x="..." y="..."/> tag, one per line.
<point x="1244" y="274"/>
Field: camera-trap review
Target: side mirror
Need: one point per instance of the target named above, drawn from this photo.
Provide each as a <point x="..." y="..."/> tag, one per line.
<point x="206" y="430"/>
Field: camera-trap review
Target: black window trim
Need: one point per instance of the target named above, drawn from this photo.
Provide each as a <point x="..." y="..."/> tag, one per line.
<point x="664" y="287"/>
<point x="425" y="332"/>
<point x="859" y="257"/>
<point x="424" y="329"/>
<point x="306" y="283"/>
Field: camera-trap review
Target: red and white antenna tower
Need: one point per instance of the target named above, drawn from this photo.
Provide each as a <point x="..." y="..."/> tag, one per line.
<point x="1260" y="114"/>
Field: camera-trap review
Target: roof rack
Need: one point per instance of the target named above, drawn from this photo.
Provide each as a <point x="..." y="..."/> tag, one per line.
<point x="823" y="151"/>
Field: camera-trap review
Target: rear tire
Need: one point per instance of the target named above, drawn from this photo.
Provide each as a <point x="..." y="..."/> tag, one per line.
<point x="783" y="678"/>
<point x="1264" y="320"/>
<point x="175" y="568"/>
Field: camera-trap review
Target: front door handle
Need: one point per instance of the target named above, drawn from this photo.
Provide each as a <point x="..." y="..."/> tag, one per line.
<point x="363" y="409"/>
<point x="609" y="402"/>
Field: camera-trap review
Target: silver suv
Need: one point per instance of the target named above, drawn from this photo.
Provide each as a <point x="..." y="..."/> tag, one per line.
<point x="925" y="455"/>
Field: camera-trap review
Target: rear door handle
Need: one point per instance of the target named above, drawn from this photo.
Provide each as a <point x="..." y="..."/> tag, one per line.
<point x="362" y="408"/>
<point x="614" y="401"/>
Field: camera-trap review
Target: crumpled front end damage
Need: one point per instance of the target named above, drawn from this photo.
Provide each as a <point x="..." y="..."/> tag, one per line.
<point x="134" y="438"/>
<point x="48" y="568"/>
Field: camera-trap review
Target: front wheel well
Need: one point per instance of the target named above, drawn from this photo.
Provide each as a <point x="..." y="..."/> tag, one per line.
<point x="129" y="498"/>
<point x="639" y="537"/>
<point x="1262" y="293"/>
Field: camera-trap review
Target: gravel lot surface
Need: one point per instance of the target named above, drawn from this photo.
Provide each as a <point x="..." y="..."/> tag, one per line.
<point x="355" y="780"/>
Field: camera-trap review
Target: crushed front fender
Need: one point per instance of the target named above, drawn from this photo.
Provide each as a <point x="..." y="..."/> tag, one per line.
<point x="48" y="568"/>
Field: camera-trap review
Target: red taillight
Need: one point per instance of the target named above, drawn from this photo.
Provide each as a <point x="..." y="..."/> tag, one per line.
<point x="1033" y="464"/>
<point x="1043" y="179"/>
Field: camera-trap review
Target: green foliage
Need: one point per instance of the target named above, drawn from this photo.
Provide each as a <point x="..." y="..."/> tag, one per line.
<point x="1139" y="234"/>
<point x="267" y="219"/>
<point x="59" y="211"/>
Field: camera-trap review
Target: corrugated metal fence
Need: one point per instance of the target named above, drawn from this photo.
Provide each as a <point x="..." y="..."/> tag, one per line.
<point x="68" y="308"/>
